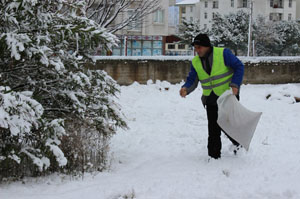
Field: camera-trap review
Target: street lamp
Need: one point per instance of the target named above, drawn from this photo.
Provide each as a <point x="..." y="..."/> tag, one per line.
<point x="250" y="2"/>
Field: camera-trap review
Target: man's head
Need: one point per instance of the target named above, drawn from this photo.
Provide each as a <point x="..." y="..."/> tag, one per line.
<point x="202" y="44"/>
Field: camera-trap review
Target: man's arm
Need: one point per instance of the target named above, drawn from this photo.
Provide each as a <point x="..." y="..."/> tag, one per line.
<point x="191" y="82"/>
<point x="238" y="67"/>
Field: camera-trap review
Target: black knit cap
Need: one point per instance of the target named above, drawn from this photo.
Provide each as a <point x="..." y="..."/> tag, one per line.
<point x="202" y="40"/>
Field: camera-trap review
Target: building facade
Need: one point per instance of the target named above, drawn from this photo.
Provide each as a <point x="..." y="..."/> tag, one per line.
<point x="173" y="47"/>
<point x="146" y="37"/>
<point x="150" y="36"/>
<point x="274" y="10"/>
<point x="189" y="10"/>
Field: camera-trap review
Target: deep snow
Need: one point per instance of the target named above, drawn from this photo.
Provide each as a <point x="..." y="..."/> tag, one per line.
<point x="163" y="154"/>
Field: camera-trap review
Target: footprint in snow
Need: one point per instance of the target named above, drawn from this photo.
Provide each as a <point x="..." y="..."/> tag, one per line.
<point x="226" y="172"/>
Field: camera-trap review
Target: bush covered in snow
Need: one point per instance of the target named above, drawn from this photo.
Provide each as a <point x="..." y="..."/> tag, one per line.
<point x="277" y="38"/>
<point x="231" y="30"/>
<point x="188" y="30"/>
<point x="46" y="95"/>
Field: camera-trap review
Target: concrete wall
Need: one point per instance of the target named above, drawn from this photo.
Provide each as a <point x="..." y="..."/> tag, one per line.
<point x="127" y="71"/>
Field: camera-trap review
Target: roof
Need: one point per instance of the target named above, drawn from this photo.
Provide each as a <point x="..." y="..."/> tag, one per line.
<point x="187" y="2"/>
<point x="172" y="39"/>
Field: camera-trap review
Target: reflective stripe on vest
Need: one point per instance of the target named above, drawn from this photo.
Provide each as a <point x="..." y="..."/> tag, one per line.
<point x="220" y="77"/>
<point x="217" y="77"/>
<point x="216" y="85"/>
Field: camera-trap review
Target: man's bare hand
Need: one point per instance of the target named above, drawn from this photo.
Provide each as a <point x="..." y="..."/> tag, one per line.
<point x="235" y="90"/>
<point x="183" y="92"/>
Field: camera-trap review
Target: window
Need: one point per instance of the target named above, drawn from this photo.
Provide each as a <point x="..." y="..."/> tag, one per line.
<point x="183" y="19"/>
<point x="136" y="48"/>
<point x="191" y="19"/>
<point x="245" y="3"/>
<point x="205" y="26"/>
<point x="275" y="16"/>
<point x="213" y="15"/>
<point x="232" y="3"/>
<point x="159" y="16"/>
<point x="280" y="4"/>
<point x="181" y="46"/>
<point x="191" y="8"/>
<point x="157" y="48"/>
<point x="290" y="17"/>
<point x="183" y="10"/>
<point x="205" y="15"/>
<point x="171" y="46"/>
<point x="215" y="4"/>
<point x="134" y="24"/>
<point x="205" y="4"/>
<point x="290" y="3"/>
<point x="271" y="3"/>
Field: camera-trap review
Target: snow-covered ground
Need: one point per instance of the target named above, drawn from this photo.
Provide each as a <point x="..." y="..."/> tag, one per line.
<point x="163" y="155"/>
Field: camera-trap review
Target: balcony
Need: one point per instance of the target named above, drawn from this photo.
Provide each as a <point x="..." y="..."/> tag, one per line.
<point x="277" y="6"/>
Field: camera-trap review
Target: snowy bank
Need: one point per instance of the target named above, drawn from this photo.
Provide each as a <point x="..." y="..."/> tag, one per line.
<point x="164" y="153"/>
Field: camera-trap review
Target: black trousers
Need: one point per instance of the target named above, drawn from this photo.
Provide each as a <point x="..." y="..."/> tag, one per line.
<point x="214" y="133"/>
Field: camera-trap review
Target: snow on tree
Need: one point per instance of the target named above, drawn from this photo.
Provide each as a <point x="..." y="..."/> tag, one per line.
<point x="105" y="13"/>
<point x="45" y="89"/>
<point x="263" y="34"/>
<point x="277" y="37"/>
<point x="231" y="30"/>
<point x="287" y="34"/>
<point x="188" y="30"/>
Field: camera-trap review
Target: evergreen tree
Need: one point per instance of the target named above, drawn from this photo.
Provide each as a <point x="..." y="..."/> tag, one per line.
<point x="286" y="36"/>
<point x="46" y="91"/>
<point x="188" y="30"/>
<point x="231" y="30"/>
<point x="277" y="38"/>
<point x="263" y="34"/>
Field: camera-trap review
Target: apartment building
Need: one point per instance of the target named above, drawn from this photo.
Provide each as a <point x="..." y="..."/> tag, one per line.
<point x="146" y="37"/>
<point x="277" y="10"/>
<point x="274" y="10"/>
<point x="154" y="35"/>
<point x="189" y="10"/>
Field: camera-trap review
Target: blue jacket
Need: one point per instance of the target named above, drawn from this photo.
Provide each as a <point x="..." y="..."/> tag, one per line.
<point x="231" y="61"/>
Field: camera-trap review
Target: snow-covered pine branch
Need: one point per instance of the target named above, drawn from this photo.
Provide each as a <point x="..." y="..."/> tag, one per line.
<point x="43" y="48"/>
<point x="188" y="30"/>
<point x="231" y="30"/>
<point x="277" y="37"/>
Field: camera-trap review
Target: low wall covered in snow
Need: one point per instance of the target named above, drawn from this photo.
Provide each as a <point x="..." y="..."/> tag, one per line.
<point x="260" y="70"/>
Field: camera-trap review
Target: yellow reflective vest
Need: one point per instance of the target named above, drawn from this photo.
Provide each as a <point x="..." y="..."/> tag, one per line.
<point x="220" y="76"/>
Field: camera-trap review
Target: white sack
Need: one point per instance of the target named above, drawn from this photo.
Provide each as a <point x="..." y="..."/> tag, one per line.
<point x="237" y="121"/>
